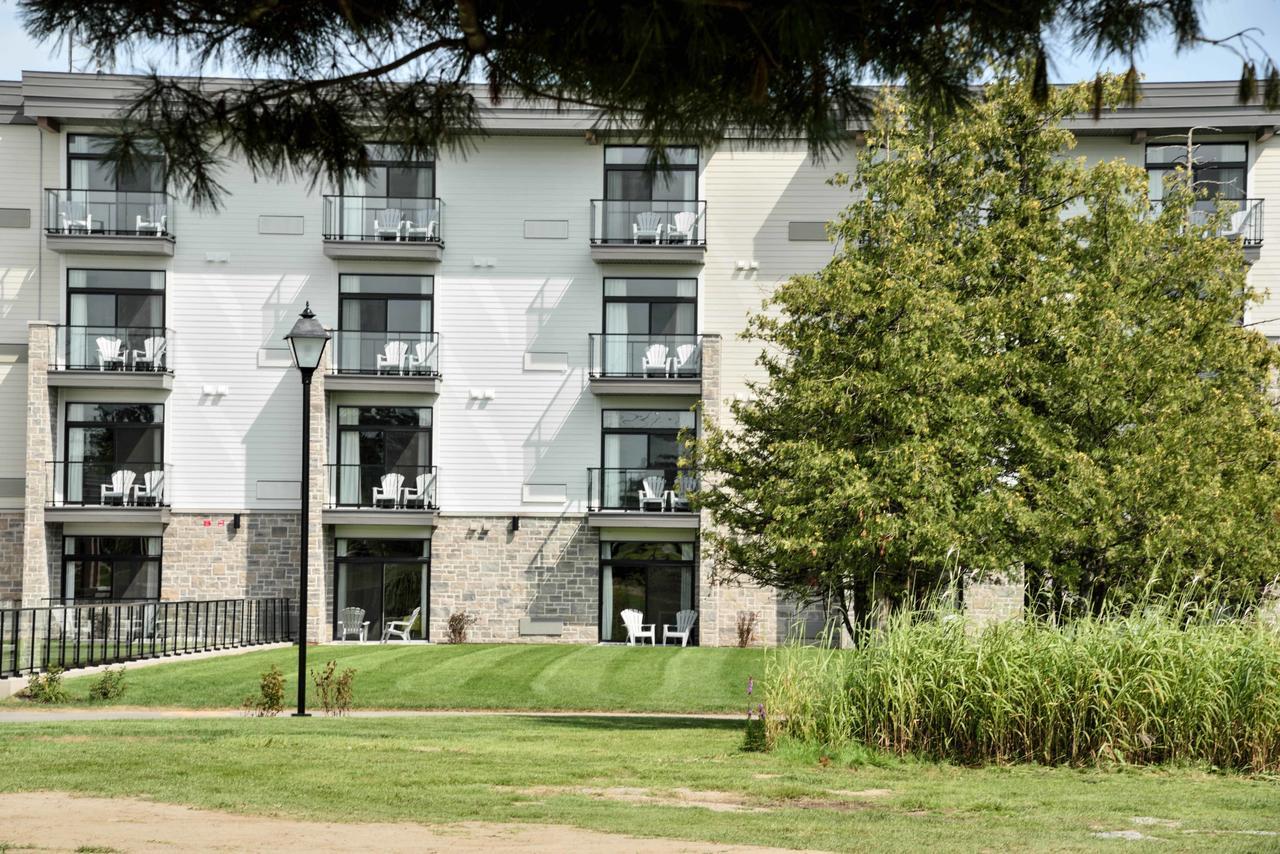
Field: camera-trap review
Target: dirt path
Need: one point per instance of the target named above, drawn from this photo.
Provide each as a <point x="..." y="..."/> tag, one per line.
<point x="55" y="821"/>
<point x="46" y="714"/>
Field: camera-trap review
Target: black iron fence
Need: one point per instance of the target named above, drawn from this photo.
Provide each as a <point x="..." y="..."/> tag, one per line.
<point x="654" y="489"/>
<point x="131" y="213"/>
<point x="657" y="222"/>
<point x="645" y="356"/>
<point x="400" y="219"/>
<point x="71" y="636"/>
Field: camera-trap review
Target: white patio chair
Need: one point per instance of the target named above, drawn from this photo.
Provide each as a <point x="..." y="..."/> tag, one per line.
<point x="637" y="629"/>
<point x="421" y="492"/>
<point x="651" y="489"/>
<point x="655" y="359"/>
<point x="75" y="217"/>
<point x="683" y="227"/>
<point x="141" y="622"/>
<point x="151" y="354"/>
<point x="351" y="621"/>
<point x="686" y="354"/>
<point x="152" y="222"/>
<point x="400" y="628"/>
<point x="685" y="485"/>
<point x="426" y="231"/>
<point x="392" y="357"/>
<point x="648" y="226"/>
<point x="420" y="359"/>
<point x="1238" y="222"/>
<point x="390" y="489"/>
<point x="120" y="487"/>
<point x="682" y="629"/>
<point x="151" y="490"/>
<point x="386" y="221"/>
<point x="110" y="352"/>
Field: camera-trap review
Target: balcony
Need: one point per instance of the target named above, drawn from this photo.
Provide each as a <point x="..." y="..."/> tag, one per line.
<point x="640" y="498"/>
<point x="648" y="232"/>
<point x="1244" y="223"/>
<point x="117" y="357"/>
<point x="385" y="361"/>
<point x="108" y="222"/>
<point x="645" y="364"/>
<point x="86" y="491"/>
<point x="364" y="228"/>
<point x="363" y="494"/>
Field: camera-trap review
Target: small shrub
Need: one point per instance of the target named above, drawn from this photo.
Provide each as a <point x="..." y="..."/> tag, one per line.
<point x="334" y="689"/>
<point x="746" y="628"/>
<point x="108" y="686"/>
<point x="459" y="622"/>
<point x="270" y="699"/>
<point x="46" y="687"/>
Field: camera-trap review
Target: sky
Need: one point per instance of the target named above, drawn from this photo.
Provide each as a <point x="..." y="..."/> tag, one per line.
<point x="1158" y="62"/>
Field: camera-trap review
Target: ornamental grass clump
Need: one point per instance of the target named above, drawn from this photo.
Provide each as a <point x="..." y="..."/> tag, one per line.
<point x="1162" y="683"/>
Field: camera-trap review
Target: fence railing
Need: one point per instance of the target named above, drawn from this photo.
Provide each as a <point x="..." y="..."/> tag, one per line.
<point x="383" y="218"/>
<point x="409" y="354"/>
<point x="380" y="487"/>
<point x="71" y="483"/>
<point x="148" y="349"/>
<point x="1244" y="217"/>
<point x="649" y="222"/>
<point x="130" y="213"/>
<point x="647" y="356"/>
<point x="71" y="636"/>
<point x="640" y="490"/>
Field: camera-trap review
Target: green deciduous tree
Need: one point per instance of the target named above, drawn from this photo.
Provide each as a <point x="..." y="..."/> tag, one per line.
<point x="1012" y="361"/>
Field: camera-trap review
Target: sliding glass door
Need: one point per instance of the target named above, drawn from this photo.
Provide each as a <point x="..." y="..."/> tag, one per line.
<point x="639" y="444"/>
<point x="383" y="448"/>
<point x="111" y="450"/>
<point x="387" y="580"/>
<point x="656" y="579"/>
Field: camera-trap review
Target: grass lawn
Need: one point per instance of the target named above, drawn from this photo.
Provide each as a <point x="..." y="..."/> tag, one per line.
<point x="471" y="676"/>
<point x="580" y="772"/>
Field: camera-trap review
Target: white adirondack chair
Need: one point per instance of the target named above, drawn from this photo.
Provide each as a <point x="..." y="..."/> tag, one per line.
<point x="387" y="222"/>
<point x="683" y="227"/>
<point x="637" y="629"/>
<point x="151" y="490"/>
<point x="422" y="492"/>
<point x="655" y="359"/>
<point x="75" y="217"/>
<point x="390" y="489"/>
<point x="392" y="356"/>
<point x="110" y="352"/>
<point x="156" y="221"/>
<point x="1238" y="222"/>
<point x="686" y="354"/>
<point x="651" y="489"/>
<point x="420" y="359"/>
<point x="152" y="354"/>
<point x="120" y="486"/>
<point x="425" y="231"/>
<point x="400" y="628"/>
<point x="351" y="621"/>
<point x="685" y="485"/>
<point x="648" y="226"/>
<point x="682" y="628"/>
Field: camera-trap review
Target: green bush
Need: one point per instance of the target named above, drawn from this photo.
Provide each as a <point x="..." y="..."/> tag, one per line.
<point x="270" y="699"/>
<point x="108" y="686"/>
<point x="1166" y="683"/>
<point x="46" y="687"/>
<point x="335" y="689"/>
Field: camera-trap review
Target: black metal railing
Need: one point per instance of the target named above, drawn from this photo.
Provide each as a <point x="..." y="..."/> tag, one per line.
<point x="418" y="220"/>
<point x="645" y="356"/>
<point x="410" y="354"/>
<point x="131" y="213"/>
<point x="85" y="635"/>
<point x="652" y="223"/>
<point x="380" y="487"/>
<point x="77" y="483"/>
<point x="114" y="348"/>
<point x="1244" y="217"/>
<point x="641" y="490"/>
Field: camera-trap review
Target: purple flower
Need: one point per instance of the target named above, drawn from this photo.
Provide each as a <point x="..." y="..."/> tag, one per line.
<point x="751" y="684"/>
<point x="760" y="709"/>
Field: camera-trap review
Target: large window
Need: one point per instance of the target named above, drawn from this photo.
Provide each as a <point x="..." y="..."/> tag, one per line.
<point x="385" y="580"/>
<point x="395" y="201"/>
<point x="628" y="176"/>
<point x="1219" y="169"/>
<point x="643" y="204"/>
<point x="637" y="446"/>
<point x="115" y="320"/>
<point x="89" y="169"/>
<point x="111" y="568"/>
<point x="656" y="579"/>
<point x="385" y="325"/>
<point x="394" y="175"/>
<point x="650" y="328"/>
<point x="101" y="199"/>
<point x="384" y="457"/>
<point x="114" y="454"/>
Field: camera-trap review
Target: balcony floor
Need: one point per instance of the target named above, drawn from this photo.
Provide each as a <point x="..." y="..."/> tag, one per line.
<point x="109" y="244"/>
<point x="642" y="519"/>
<point x="685" y="386"/>
<point x="102" y="513"/>
<point x="162" y="380"/>
<point x="371" y="516"/>
<point x="382" y="382"/>
<point x="647" y="253"/>
<point x="384" y="250"/>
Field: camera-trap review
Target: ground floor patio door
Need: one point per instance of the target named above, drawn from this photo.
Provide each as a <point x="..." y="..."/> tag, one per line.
<point x="387" y="579"/>
<point x="656" y="579"/>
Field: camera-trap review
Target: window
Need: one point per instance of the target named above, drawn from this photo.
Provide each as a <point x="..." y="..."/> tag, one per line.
<point x="115" y="569"/>
<point x="639" y="444"/>
<point x="384" y="324"/>
<point x="1219" y="169"/>
<point x="393" y="175"/>
<point x="122" y="307"/>
<point x="656" y="579"/>
<point x="114" y="453"/>
<point x="89" y="169"/>
<point x="384" y="457"/>
<point x="387" y="580"/>
<point x="644" y="205"/>
<point x="643" y="314"/>
<point x="628" y="177"/>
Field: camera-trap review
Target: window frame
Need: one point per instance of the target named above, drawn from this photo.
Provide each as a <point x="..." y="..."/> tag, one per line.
<point x="379" y="163"/>
<point x="162" y="292"/>
<point x="605" y="299"/>
<point x="80" y="557"/>
<point x="115" y="176"/>
<point x="1242" y="165"/>
<point x="695" y="168"/>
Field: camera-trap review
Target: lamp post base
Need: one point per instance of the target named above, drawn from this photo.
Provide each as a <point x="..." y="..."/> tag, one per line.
<point x="300" y="715"/>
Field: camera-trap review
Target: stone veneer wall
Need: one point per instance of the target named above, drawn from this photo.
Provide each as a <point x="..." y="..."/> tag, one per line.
<point x="994" y="600"/>
<point x="219" y="562"/>
<point x="11" y="558"/>
<point x="40" y="403"/>
<point x="548" y="570"/>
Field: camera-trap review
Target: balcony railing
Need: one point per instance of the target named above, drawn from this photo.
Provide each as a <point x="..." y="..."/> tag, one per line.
<point x="652" y="223"/>
<point x="409" y="354"/>
<point x="383" y="218"/>
<point x="129" y="213"/>
<point x="640" y="490"/>
<point x="70" y="483"/>
<point x="146" y="349"/>
<point x="379" y="487"/>
<point x="646" y="356"/>
<point x="1244" y="217"/>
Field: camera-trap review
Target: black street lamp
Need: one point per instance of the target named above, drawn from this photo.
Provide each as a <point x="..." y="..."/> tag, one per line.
<point x="306" y="340"/>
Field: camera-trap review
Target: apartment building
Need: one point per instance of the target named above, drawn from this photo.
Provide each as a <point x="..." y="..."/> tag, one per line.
<point x="519" y="335"/>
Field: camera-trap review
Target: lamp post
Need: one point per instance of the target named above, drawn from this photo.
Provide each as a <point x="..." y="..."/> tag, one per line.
<point x="306" y="340"/>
